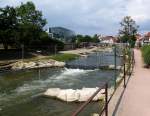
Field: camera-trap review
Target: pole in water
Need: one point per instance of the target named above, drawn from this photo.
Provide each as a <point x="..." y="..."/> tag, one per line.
<point x="22" y="46"/>
<point x="39" y="74"/>
<point x="55" y="49"/>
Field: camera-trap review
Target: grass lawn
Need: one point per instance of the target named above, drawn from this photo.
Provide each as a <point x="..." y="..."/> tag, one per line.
<point x="57" y="57"/>
<point x="64" y="57"/>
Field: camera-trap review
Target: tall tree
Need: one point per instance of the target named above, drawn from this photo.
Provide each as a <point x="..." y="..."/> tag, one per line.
<point x="31" y="23"/>
<point x="128" y="31"/>
<point x="8" y="25"/>
<point x="28" y="14"/>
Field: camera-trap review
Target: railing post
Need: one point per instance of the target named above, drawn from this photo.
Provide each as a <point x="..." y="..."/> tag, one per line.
<point x="124" y="69"/>
<point x="115" y="63"/>
<point x="124" y="75"/>
<point x="106" y="99"/>
<point x="133" y="60"/>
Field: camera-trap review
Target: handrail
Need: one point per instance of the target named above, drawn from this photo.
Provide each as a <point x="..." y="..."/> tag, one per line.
<point x="88" y="101"/>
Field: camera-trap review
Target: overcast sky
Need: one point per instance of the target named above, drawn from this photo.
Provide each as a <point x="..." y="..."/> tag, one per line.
<point x="91" y="16"/>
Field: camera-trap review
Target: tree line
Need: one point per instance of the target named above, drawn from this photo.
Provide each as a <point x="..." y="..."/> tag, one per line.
<point x="81" y="38"/>
<point x="23" y="25"/>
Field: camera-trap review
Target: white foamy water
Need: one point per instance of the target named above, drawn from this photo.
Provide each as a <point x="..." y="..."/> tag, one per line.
<point x="68" y="73"/>
<point x="67" y="78"/>
<point x="41" y="84"/>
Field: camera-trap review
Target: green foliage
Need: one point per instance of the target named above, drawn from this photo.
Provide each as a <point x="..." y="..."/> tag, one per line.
<point x="64" y="57"/>
<point x="128" y="53"/>
<point x="30" y="23"/>
<point x="8" y="25"/>
<point x="86" y="38"/>
<point x="95" y="39"/>
<point x="27" y="14"/>
<point x="24" y="25"/>
<point x="128" y="31"/>
<point x="146" y="54"/>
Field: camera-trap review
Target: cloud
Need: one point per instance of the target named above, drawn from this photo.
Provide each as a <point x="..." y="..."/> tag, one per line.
<point x="138" y="9"/>
<point x="90" y="16"/>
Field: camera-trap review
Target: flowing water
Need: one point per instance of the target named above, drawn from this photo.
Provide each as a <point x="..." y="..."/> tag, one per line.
<point x="95" y="60"/>
<point x="20" y="91"/>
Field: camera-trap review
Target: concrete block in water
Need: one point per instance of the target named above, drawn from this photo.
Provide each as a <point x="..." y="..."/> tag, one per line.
<point x="70" y="95"/>
<point x="53" y="92"/>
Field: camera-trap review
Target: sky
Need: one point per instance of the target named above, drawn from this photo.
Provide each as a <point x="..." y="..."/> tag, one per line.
<point x="91" y="16"/>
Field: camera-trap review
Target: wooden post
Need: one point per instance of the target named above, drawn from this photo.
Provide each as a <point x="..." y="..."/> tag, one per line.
<point x="124" y="75"/>
<point x="124" y="69"/>
<point x="106" y="98"/>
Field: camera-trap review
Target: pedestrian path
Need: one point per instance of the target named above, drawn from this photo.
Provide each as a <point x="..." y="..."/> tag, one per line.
<point x="136" y="98"/>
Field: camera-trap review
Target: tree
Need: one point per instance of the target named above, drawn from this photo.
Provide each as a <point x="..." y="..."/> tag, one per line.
<point x="86" y="38"/>
<point x="20" y="25"/>
<point x="31" y="23"/>
<point x="24" y="25"/>
<point x="27" y="14"/>
<point x="128" y="31"/>
<point x="8" y="25"/>
<point x="95" y="39"/>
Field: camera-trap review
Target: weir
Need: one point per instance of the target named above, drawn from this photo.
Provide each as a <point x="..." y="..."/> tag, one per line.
<point x="97" y="60"/>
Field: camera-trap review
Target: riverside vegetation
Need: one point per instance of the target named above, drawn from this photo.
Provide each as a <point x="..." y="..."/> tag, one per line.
<point x="146" y="54"/>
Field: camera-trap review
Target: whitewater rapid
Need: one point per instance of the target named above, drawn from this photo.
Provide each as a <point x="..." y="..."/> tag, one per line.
<point x="31" y="88"/>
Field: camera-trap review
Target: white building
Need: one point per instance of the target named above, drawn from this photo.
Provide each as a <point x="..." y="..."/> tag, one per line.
<point x="108" y="40"/>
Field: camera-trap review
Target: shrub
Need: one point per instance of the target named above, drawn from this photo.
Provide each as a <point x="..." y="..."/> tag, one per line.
<point x="146" y="54"/>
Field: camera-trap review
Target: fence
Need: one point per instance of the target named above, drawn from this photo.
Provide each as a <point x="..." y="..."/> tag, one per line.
<point x="127" y="70"/>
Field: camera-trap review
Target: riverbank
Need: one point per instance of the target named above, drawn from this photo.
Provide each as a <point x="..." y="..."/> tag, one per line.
<point x="37" y="64"/>
<point x="42" y="61"/>
<point x="85" y="51"/>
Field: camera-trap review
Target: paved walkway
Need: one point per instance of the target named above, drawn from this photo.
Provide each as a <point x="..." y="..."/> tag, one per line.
<point x="136" y="98"/>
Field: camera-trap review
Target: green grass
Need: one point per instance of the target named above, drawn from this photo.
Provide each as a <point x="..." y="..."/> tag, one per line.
<point x="64" y="57"/>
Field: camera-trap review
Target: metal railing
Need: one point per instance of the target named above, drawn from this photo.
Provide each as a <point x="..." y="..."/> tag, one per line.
<point x="105" y="86"/>
<point x="90" y="99"/>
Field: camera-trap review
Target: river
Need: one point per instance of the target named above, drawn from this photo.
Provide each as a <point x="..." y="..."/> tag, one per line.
<point x="20" y="91"/>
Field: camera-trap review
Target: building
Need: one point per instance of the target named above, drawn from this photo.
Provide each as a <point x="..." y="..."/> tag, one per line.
<point x="139" y="40"/>
<point x="62" y="34"/>
<point x="108" y="39"/>
<point x="146" y="38"/>
<point x="142" y="40"/>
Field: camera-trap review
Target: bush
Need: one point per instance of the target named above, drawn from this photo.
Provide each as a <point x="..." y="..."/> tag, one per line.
<point x="146" y="54"/>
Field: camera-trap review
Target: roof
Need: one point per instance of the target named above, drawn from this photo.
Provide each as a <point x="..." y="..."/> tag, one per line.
<point x="138" y="37"/>
<point x="147" y="34"/>
<point x="109" y="38"/>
